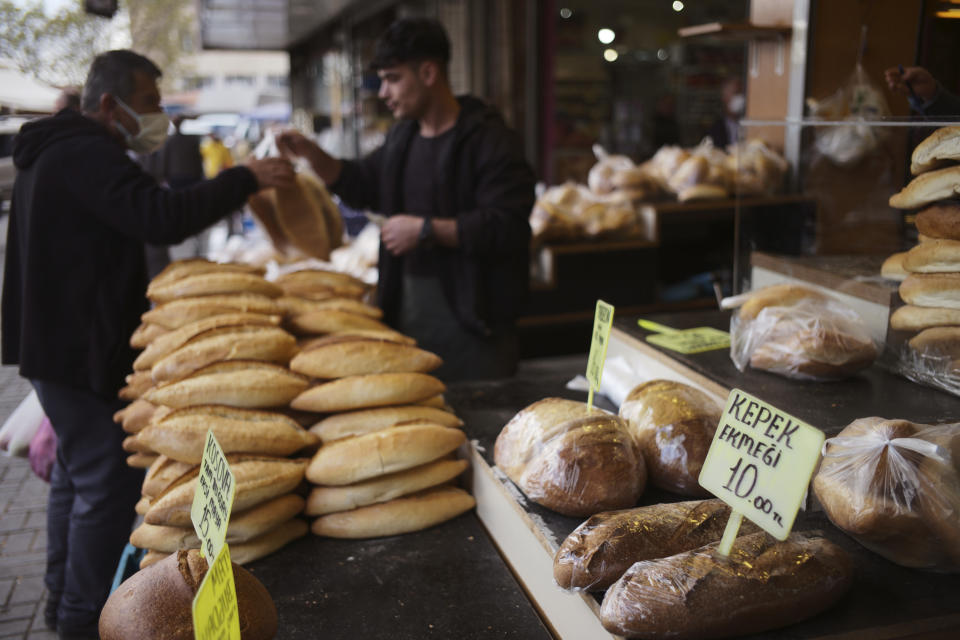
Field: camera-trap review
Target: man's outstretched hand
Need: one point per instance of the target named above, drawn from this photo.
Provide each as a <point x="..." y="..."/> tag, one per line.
<point x="272" y="172"/>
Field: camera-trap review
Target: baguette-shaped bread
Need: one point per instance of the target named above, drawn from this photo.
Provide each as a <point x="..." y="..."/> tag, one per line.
<point x="317" y="190"/>
<point x="133" y="444"/>
<point x="913" y="318"/>
<point x="163" y="473"/>
<point x="138" y="415"/>
<point x="179" y="269"/>
<point x="940" y="220"/>
<point x="143" y="504"/>
<point x="892" y="268"/>
<point x="302" y="219"/>
<point x="763" y="584"/>
<point x="157" y="602"/>
<point x="294" y="305"/>
<point x="355" y="423"/>
<point x="176" y="338"/>
<point x="138" y="383"/>
<point x="271" y="344"/>
<point x="263" y="204"/>
<point x="182" y="433"/>
<point x="381" y="452"/>
<point x="146" y="333"/>
<point x="940" y="146"/>
<point x="177" y="313"/>
<point x="932" y="290"/>
<point x="324" y="500"/>
<point x="258" y="478"/>
<point x="374" y="390"/>
<point x="600" y="550"/>
<point x="141" y="460"/>
<point x="373" y="334"/>
<point x="333" y="321"/>
<point x="308" y="282"/>
<point x="935" y="256"/>
<point x="246" y="384"/>
<point x="402" y="515"/>
<point x="207" y="284"/>
<point x="346" y="356"/>
<point x="242" y="527"/>
<point x="929" y="187"/>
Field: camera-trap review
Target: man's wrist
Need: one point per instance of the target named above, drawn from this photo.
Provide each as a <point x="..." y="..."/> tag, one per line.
<point x="425" y="238"/>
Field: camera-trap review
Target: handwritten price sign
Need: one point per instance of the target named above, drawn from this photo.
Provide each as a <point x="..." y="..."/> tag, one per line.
<point x="213" y="500"/>
<point x="215" y="613"/>
<point x="602" y="321"/>
<point x="760" y="463"/>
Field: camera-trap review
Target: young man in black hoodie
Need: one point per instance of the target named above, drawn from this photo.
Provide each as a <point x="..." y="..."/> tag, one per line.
<point x="73" y="291"/>
<point x="458" y="192"/>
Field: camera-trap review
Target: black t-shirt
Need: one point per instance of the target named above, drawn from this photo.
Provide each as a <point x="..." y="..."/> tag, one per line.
<point x="421" y="192"/>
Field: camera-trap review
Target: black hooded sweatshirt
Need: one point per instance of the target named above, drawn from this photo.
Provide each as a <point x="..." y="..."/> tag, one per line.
<point x="75" y="278"/>
<point x="488" y="186"/>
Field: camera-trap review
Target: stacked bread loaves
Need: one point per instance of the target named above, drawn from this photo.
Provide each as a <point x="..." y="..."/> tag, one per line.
<point x="217" y="361"/>
<point x="930" y="274"/>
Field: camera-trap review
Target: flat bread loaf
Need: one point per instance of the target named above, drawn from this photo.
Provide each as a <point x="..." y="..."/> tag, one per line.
<point x="374" y="390"/>
<point x="333" y="321"/>
<point x="941" y="220"/>
<point x="913" y="318"/>
<point x="324" y="500"/>
<point x="940" y="146"/>
<point x="935" y="256"/>
<point x="932" y="290"/>
<point x="402" y="515"/>
<point x="246" y="384"/>
<point x="927" y="188"/>
<point x="355" y="423"/>
<point x="347" y="356"/>
<point x="381" y="452"/>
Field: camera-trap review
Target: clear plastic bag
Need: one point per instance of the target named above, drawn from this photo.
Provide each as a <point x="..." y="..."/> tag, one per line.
<point x="894" y="486"/>
<point x="574" y="460"/>
<point x="798" y="333"/>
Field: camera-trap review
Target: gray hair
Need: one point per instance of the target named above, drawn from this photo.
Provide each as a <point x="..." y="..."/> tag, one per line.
<point x="112" y="72"/>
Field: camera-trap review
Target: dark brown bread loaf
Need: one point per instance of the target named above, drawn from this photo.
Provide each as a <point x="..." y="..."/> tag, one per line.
<point x="763" y="584"/>
<point x="155" y="603"/>
<point x="597" y="553"/>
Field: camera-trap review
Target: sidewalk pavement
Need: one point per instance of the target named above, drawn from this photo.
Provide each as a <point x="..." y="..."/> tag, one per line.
<point x="23" y="531"/>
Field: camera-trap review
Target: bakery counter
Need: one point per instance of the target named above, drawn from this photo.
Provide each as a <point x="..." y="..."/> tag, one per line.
<point x="444" y="582"/>
<point x="887" y="601"/>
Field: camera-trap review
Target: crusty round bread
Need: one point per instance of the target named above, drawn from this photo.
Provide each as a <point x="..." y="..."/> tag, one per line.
<point x="324" y="500"/>
<point x="375" y="454"/>
<point x="932" y="290"/>
<point x="346" y="356"/>
<point x="892" y="267"/>
<point x="177" y="313"/>
<point x="940" y="146"/>
<point x="401" y="515"/>
<point x="913" y="318"/>
<point x="937" y="342"/>
<point x="937" y="256"/>
<point x="355" y="423"/>
<point x="941" y="220"/>
<point x="374" y="390"/>
<point x="672" y="425"/>
<point x="929" y="187"/>
<point x="157" y="602"/>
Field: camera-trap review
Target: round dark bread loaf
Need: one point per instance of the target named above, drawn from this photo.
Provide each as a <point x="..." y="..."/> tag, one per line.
<point x="156" y="603"/>
<point x="941" y="220"/>
<point x="763" y="584"/>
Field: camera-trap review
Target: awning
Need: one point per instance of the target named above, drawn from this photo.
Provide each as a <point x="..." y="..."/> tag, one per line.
<point x="20" y="92"/>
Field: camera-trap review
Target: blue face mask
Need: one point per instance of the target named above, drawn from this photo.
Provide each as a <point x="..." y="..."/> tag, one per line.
<point x="154" y="128"/>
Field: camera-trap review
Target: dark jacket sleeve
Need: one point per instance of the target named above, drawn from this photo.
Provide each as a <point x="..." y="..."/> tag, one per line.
<point x="943" y="103"/>
<point x="359" y="181"/>
<point x="125" y="197"/>
<point x="505" y="196"/>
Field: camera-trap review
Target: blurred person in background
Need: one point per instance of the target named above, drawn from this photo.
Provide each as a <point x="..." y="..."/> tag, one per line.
<point x="216" y="155"/>
<point x="73" y="292"/>
<point x="726" y="129"/>
<point x="924" y="92"/>
<point x="453" y="181"/>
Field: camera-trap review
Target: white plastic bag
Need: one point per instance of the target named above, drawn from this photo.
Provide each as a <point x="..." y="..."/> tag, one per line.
<point x="19" y="429"/>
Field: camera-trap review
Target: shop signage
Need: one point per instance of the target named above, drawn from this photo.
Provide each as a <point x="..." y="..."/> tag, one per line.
<point x="760" y="463"/>
<point x="686" y="341"/>
<point x="602" y="321"/>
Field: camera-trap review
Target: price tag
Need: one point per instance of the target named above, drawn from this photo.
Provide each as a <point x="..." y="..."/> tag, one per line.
<point x="602" y="321"/>
<point x="213" y="499"/>
<point x="215" y="613"/>
<point x="686" y="341"/>
<point x="760" y="463"/>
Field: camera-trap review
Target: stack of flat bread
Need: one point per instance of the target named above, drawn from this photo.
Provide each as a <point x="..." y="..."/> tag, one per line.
<point x="930" y="271"/>
<point x="387" y="462"/>
<point x="217" y="361"/>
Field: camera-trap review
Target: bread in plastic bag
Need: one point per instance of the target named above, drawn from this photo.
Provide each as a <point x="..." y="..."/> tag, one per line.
<point x="755" y="169"/>
<point x="600" y="178"/>
<point x="894" y="486"/>
<point x="570" y="458"/>
<point x="672" y="425"/>
<point x="763" y="584"/>
<point x="571" y="211"/>
<point x="600" y="550"/>
<point x="798" y="333"/>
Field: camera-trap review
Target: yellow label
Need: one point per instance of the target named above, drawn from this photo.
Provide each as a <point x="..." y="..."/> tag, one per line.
<point x="215" y="613"/>
<point x="760" y="462"/>
<point x="213" y="499"/>
<point x="602" y="321"/>
<point x="692" y="340"/>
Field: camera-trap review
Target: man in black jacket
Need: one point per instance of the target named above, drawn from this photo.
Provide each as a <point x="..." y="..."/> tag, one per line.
<point x="458" y="192"/>
<point x="73" y="292"/>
